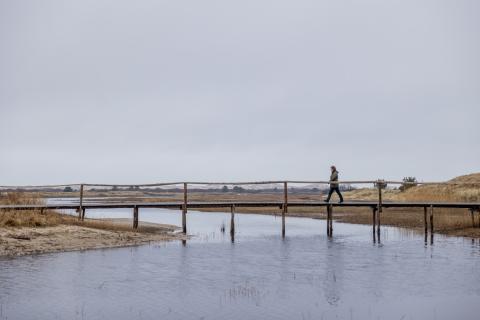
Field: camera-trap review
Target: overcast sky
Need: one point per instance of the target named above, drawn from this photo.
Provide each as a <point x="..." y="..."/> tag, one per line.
<point x="148" y="91"/>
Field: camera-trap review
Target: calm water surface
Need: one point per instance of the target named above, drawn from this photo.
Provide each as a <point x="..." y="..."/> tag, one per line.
<point x="259" y="276"/>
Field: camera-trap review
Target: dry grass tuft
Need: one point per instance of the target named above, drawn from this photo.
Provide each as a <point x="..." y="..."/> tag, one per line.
<point x="33" y="218"/>
<point x="20" y="198"/>
<point x="29" y="218"/>
<point x="50" y="218"/>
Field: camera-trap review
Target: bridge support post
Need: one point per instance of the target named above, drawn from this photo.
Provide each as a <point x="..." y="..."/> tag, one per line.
<point x="83" y="213"/>
<point x="329" y="220"/>
<point x="232" y="220"/>
<point x="184" y="209"/>
<point x="478" y="210"/>
<point x="380" y="184"/>
<point x="135" y="217"/>
<point x="284" y="207"/>
<point x="473" y="217"/>
<point x="374" y="220"/>
<point x="431" y="224"/>
<point x="425" y="222"/>
<point x="80" y="207"/>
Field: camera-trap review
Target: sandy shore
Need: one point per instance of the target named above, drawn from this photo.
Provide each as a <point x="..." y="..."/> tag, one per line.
<point x="26" y="241"/>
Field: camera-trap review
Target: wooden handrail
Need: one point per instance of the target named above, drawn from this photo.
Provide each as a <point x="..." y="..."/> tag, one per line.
<point x="240" y="183"/>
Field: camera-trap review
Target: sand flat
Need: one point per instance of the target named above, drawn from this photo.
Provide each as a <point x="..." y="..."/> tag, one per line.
<point x="26" y="240"/>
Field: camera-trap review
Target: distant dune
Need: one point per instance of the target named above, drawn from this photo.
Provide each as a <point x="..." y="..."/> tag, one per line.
<point x="470" y="191"/>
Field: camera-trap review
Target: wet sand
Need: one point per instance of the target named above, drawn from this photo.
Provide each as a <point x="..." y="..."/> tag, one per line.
<point x="27" y="240"/>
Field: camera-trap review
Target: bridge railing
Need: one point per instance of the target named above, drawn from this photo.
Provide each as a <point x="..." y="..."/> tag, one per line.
<point x="379" y="190"/>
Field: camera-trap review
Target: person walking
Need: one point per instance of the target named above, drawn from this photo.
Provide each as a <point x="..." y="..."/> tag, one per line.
<point x="334" y="185"/>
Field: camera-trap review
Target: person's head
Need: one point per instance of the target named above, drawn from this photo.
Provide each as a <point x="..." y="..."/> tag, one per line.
<point x="333" y="168"/>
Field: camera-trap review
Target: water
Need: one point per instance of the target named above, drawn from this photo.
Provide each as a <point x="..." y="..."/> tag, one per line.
<point x="260" y="275"/>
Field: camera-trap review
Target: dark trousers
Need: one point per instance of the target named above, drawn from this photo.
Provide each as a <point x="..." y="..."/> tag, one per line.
<point x="337" y="190"/>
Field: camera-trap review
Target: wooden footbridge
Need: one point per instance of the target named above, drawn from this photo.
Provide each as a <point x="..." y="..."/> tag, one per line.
<point x="375" y="206"/>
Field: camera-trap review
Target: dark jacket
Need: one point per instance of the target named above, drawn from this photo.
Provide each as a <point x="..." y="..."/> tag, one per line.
<point x="334" y="178"/>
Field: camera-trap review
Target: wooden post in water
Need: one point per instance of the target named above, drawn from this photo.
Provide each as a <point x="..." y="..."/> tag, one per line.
<point x="184" y="209"/>
<point x="285" y="207"/>
<point x="232" y="220"/>
<point x="478" y="210"/>
<point x="425" y="220"/>
<point x="81" y="203"/>
<point x="331" y="220"/>
<point x="328" y="220"/>
<point x="475" y="210"/>
<point x="374" y="219"/>
<point x="473" y="217"/>
<point x="135" y="217"/>
<point x="379" y="186"/>
<point x="431" y="224"/>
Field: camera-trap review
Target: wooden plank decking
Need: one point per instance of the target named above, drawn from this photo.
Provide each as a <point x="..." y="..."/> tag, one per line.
<point x="246" y="204"/>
